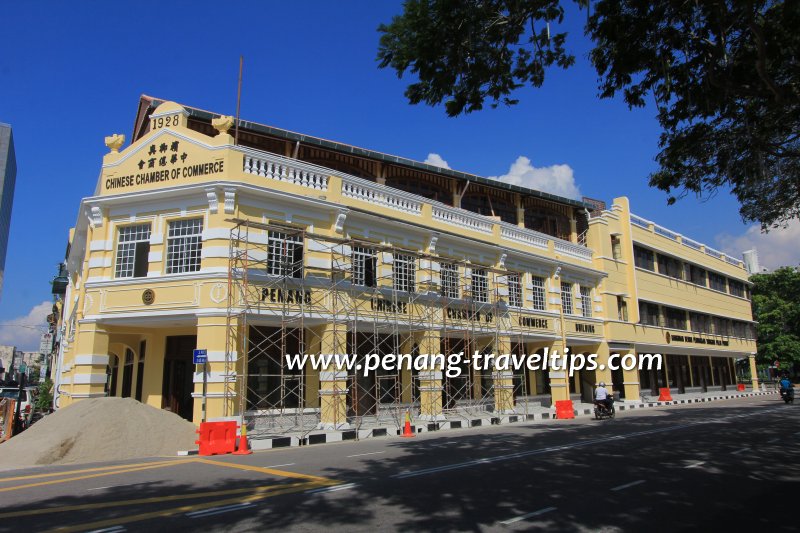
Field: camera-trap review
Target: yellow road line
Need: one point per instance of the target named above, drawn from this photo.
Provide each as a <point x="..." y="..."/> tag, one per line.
<point x="84" y="470"/>
<point x="76" y="478"/>
<point x="154" y="499"/>
<point x="283" y="473"/>
<point x="175" y="510"/>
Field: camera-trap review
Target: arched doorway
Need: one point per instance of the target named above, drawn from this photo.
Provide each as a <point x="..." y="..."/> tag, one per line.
<point x="127" y="374"/>
<point x="111" y="375"/>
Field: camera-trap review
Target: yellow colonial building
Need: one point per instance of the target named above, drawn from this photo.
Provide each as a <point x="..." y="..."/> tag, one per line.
<point x="255" y="242"/>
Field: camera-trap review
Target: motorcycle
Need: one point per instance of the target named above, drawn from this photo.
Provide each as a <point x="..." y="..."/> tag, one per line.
<point x="601" y="410"/>
<point x="787" y="395"/>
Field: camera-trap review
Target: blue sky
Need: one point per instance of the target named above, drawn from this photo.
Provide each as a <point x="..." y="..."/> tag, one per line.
<point x="71" y="73"/>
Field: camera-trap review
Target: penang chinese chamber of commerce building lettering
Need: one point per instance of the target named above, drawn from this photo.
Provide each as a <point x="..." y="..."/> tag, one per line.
<point x="159" y="156"/>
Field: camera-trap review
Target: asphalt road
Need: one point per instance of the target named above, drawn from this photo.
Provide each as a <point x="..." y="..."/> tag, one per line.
<point x="731" y="465"/>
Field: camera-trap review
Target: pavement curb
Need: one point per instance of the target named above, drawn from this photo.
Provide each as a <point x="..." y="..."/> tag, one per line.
<point x="424" y="427"/>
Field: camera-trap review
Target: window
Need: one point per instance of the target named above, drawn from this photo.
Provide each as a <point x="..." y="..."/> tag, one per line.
<point x="717" y="282"/>
<point x="450" y="288"/>
<point x="586" y="301"/>
<point x="514" y="290"/>
<point x="736" y="288"/>
<point x="669" y="266"/>
<point x="648" y="314"/>
<point x="285" y="254"/>
<point x="695" y="274"/>
<point x="643" y="258"/>
<point x="133" y="247"/>
<point x="622" y="309"/>
<point x="566" y="297"/>
<point x="700" y="323"/>
<point x="364" y="266"/>
<point x="676" y="318"/>
<point x="404" y="272"/>
<point x="538" y="292"/>
<point x="184" y="245"/>
<point x="480" y="285"/>
<point x="721" y="326"/>
<point x="616" y="248"/>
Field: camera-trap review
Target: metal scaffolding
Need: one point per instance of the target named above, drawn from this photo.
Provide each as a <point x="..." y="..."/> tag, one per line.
<point x="288" y="286"/>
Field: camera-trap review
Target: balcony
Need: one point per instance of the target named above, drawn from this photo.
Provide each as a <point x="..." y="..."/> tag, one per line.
<point x="410" y="206"/>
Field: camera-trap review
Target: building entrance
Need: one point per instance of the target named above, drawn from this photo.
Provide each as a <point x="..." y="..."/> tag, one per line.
<point x="177" y="385"/>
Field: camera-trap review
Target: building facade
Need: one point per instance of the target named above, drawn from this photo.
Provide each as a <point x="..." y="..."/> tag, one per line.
<point x="282" y="243"/>
<point x="8" y="179"/>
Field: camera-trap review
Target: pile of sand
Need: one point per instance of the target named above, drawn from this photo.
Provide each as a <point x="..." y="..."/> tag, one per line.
<point x="99" y="429"/>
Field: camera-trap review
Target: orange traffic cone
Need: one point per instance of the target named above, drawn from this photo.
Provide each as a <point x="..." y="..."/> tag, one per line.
<point x="407" y="429"/>
<point x="244" y="448"/>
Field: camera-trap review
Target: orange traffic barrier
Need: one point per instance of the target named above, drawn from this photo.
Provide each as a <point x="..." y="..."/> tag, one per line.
<point x="664" y="395"/>
<point x="407" y="429"/>
<point x="740" y="387"/>
<point x="564" y="409"/>
<point x="216" y="438"/>
<point x="244" y="448"/>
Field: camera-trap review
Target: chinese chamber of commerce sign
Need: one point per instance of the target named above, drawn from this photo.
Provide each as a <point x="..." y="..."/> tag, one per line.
<point x="164" y="162"/>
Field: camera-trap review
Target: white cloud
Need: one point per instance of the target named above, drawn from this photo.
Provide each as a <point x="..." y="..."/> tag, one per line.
<point x="12" y="332"/>
<point x="436" y="160"/>
<point x="779" y="247"/>
<point x="555" y="179"/>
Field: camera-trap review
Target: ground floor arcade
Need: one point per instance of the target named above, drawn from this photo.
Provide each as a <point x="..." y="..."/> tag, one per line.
<point x="153" y="364"/>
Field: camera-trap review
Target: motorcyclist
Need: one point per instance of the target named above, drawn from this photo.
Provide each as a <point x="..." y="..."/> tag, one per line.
<point x="602" y="396"/>
<point x="787" y="388"/>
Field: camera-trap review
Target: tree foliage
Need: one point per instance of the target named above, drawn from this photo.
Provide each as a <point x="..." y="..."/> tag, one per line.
<point x="776" y="307"/>
<point x="724" y="76"/>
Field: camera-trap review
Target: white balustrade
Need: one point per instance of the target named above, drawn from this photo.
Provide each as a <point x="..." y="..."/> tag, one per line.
<point x="280" y="170"/>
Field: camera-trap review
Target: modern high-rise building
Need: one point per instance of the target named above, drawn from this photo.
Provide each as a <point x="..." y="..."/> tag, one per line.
<point x="8" y="178"/>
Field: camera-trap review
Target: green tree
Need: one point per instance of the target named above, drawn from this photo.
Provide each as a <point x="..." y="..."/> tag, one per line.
<point x="724" y="76"/>
<point x="44" y="400"/>
<point x="776" y="307"/>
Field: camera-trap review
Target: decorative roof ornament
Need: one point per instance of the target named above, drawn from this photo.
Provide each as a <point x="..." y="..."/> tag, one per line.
<point x="115" y="142"/>
<point x="222" y="123"/>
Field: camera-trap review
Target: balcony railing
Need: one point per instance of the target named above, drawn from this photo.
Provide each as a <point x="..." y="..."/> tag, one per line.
<point x="282" y="169"/>
<point x="685" y="241"/>
<point x="380" y="195"/>
<point x="279" y="168"/>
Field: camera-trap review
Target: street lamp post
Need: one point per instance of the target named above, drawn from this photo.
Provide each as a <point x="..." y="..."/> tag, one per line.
<point x="563" y="328"/>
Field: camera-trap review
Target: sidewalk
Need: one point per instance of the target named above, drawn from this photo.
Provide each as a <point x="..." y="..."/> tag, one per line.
<point x="460" y="420"/>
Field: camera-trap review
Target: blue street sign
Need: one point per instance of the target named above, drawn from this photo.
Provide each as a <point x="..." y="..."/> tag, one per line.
<point x="200" y="357"/>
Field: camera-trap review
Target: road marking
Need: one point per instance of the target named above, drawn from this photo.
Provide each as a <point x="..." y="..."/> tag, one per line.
<point x="628" y="485"/>
<point x="266" y="470"/>
<point x="740" y="450"/>
<point x="276" y="466"/>
<point x="363" y="454"/>
<point x="518" y="455"/>
<point x="111" y="473"/>
<point x="156" y="499"/>
<point x="108" y="530"/>
<point x="695" y="465"/>
<point x="218" y="510"/>
<point x="84" y="470"/>
<point x="138" y="517"/>
<point x="529" y="515"/>
<point x="332" y="489"/>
